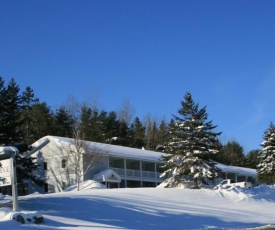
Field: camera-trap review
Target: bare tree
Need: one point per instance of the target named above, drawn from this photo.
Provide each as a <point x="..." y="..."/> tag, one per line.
<point x="126" y="112"/>
<point x="82" y="156"/>
<point x="72" y="106"/>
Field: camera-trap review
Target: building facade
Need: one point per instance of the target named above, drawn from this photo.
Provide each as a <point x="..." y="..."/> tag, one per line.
<point x="115" y="166"/>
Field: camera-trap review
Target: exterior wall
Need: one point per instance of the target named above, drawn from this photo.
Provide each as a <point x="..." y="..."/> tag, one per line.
<point x="101" y="164"/>
<point x="238" y="177"/>
<point x="133" y="172"/>
<point x="56" y="177"/>
<point x="136" y="173"/>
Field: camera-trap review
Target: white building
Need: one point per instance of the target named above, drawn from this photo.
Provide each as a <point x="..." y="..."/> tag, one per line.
<point x="116" y="166"/>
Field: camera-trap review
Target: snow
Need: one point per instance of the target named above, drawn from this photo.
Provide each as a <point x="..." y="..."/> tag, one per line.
<point x="236" y="169"/>
<point x="86" y="185"/>
<point x="106" y="149"/>
<point x="147" y="208"/>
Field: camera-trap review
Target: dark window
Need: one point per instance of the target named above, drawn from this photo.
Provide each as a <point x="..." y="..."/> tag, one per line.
<point x="64" y="185"/>
<point x="45" y="166"/>
<point x="63" y="163"/>
<point x="46" y="187"/>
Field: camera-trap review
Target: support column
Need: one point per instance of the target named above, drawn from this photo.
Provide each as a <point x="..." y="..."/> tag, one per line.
<point x="141" y="176"/>
<point x="156" y="178"/>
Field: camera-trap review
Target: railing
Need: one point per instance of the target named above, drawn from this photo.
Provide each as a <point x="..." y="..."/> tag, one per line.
<point x="136" y="173"/>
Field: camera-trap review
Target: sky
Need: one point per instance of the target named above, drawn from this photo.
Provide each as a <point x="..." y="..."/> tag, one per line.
<point x="146" y="208"/>
<point x="149" y="53"/>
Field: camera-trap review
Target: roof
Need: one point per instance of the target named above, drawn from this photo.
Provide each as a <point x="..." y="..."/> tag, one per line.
<point x="106" y="149"/>
<point x="238" y="170"/>
<point x="130" y="153"/>
<point x="108" y="175"/>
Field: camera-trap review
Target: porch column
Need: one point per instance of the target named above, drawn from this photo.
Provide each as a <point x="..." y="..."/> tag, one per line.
<point x="125" y="167"/>
<point x="140" y="169"/>
<point x="156" y="174"/>
<point x="125" y="174"/>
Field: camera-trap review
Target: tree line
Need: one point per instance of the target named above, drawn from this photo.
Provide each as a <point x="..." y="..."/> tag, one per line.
<point x="24" y="120"/>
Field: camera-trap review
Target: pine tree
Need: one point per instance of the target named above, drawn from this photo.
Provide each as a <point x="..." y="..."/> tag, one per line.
<point x="85" y="123"/>
<point x="63" y="123"/>
<point x="111" y="128"/>
<point x="92" y="124"/>
<point x="266" y="166"/>
<point x="11" y="114"/>
<point x="191" y="145"/>
<point x="25" y="168"/>
<point x="2" y="111"/>
<point x="42" y="121"/>
<point x="252" y="158"/>
<point x="28" y="101"/>
<point x="138" y="134"/>
<point x="124" y="134"/>
<point x="231" y="153"/>
<point x="162" y="136"/>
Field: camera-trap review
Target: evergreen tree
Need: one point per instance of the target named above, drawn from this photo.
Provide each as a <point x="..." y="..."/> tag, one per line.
<point x="42" y="122"/>
<point x="231" y="153"/>
<point x="92" y="124"/>
<point x="266" y="166"/>
<point x="25" y="168"/>
<point x="111" y="128"/>
<point x="191" y="146"/>
<point x="162" y="136"/>
<point x="85" y="123"/>
<point x="123" y="135"/>
<point x="252" y="158"/>
<point x="11" y="114"/>
<point x="28" y="101"/>
<point x="63" y="123"/>
<point x="138" y="134"/>
<point x="2" y="111"/>
<point x="152" y="134"/>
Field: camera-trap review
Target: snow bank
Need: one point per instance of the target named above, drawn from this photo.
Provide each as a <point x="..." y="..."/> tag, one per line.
<point x="86" y="185"/>
<point x="5" y="214"/>
<point x="149" y="208"/>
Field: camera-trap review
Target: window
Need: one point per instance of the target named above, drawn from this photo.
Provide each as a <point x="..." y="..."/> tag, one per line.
<point x="64" y="185"/>
<point x="63" y="163"/>
<point x="46" y="187"/>
<point x="45" y="166"/>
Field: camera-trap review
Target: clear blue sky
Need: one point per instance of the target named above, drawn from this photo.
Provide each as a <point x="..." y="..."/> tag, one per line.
<point x="150" y="53"/>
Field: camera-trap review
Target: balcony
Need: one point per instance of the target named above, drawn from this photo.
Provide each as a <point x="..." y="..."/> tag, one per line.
<point x="138" y="174"/>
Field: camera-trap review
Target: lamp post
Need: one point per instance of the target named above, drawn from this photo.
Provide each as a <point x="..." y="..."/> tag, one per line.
<point x="10" y="153"/>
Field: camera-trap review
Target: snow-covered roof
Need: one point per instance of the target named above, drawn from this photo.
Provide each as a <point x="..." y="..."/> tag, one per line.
<point x="107" y="175"/>
<point x="238" y="170"/>
<point x="131" y="153"/>
<point x="86" y="185"/>
<point x="106" y="149"/>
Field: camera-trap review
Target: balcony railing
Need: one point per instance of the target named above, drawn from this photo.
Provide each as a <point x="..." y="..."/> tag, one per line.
<point x="137" y="173"/>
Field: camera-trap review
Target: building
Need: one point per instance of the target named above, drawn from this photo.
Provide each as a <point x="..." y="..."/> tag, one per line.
<point x="115" y="166"/>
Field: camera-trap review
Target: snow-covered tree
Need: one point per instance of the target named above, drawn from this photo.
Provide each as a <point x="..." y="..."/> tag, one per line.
<point x="266" y="166"/>
<point x="192" y="144"/>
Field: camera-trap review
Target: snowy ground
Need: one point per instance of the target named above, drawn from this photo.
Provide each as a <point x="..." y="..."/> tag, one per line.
<point x="148" y="208"/>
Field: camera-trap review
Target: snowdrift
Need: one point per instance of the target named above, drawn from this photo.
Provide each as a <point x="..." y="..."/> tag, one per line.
<point x="149" y="208"/>
<point x="86" y="185"/>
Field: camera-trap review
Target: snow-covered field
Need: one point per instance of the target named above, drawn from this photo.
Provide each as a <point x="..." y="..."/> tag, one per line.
<point x="148" y="208"/>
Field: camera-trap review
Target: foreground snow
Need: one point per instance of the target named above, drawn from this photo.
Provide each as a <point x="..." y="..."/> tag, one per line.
<point x="149" y="208"/>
